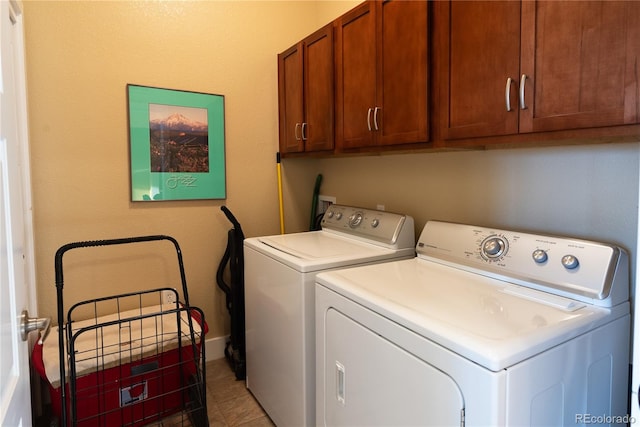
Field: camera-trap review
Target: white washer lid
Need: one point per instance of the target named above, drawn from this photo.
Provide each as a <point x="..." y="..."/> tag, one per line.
<point x="474" y="316"/>
<point x="320" y="250"/>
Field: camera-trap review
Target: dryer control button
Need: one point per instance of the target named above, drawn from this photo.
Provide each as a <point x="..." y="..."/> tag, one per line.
<point x="494" y="247"/>
<point x="570" y="262"/>
<point x="540" y="256"/>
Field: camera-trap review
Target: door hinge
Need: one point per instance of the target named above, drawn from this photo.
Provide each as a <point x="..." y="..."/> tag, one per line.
<point x="462" y="417"/>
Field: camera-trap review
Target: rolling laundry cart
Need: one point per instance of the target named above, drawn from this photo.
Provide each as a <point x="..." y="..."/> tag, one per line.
<point x="234" y="291"/>
<point x="143" y="363"/>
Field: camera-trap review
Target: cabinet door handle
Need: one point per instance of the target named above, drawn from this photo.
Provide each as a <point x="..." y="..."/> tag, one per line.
<point x="523" y="79"/>
<point x="375" y="117"/>
<point x="296" y="131"/>
<point x="369" y="119"/>
<point x="304" y="126"/>
<point x="507" y="93"/>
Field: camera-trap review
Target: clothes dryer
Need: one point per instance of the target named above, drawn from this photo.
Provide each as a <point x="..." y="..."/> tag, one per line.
<point x="485" y="327"/>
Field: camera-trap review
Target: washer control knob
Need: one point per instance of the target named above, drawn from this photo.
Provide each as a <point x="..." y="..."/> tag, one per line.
<point x="330" y="214"/>
<point x="355" y="219"/>
<point x="570" y="262"/>
<point x="339" y="216"/>
<point x="540" y="256"/>
<point x="375" y="223"/>
<point x="494" y="247"/>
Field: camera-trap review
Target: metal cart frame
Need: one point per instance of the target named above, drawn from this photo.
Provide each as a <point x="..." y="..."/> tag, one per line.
<point x="183" y="362"/>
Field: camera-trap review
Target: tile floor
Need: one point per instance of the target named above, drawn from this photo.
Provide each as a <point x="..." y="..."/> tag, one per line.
<point x="229" y="402"/>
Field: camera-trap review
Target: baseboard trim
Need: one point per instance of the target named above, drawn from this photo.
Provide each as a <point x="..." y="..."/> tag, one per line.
<point x="214" y="347"/>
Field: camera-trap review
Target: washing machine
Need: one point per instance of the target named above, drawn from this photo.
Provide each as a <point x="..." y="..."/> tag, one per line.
<point x="485" y="327"/>
<point x="280" y="273"/>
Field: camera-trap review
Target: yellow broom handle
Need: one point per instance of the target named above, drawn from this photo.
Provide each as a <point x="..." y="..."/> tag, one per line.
<point x="280" y="193"/>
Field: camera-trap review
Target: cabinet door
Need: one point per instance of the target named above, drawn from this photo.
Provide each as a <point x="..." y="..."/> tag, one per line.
<point x="581" y="58"/>
<point x="356" y="77"/>
<point x="290" y="99"/>
<point x="318" y="90"/>
<point x="401" y="94"/>
<point x="477" y="54"/>
<point x="381" y="60"/>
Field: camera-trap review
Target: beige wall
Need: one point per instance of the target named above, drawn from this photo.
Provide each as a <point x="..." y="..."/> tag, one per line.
<point x="80" y="56"/>
<point x="588" y="191"/>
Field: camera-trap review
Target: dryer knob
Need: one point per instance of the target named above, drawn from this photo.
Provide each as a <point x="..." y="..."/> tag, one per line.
<point x="494" y="247"/>
<point x="540" y="256"/>
<point x="375" y="223"/>
<point x="570" y="262"/>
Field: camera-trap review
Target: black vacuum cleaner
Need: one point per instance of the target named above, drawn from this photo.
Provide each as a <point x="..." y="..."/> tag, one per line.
<point x="235" y="351"/>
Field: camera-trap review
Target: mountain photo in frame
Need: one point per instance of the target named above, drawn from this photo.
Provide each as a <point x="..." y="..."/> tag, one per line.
<point x="176" y="144"/>
<point x="178" y="138"/>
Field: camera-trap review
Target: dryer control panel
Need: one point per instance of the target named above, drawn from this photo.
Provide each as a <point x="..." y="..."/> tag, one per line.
<point x="388" y="228"/>
<point x="569" y="267"/>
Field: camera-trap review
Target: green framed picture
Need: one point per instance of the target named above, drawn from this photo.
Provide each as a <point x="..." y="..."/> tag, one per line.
<point x="176" y="143"/>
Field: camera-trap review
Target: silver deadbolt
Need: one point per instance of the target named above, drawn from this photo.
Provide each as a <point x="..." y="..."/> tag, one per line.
<point x="29" y="324"/>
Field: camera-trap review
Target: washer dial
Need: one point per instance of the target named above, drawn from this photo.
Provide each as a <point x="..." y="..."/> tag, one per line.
<point x="355" y="219"/>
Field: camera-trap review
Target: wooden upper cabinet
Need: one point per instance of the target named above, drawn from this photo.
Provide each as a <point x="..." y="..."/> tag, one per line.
<point x="510" y="67"/>
<point x="382" y="74"/>
<point x="402" y="77"/>
<point x="477" y="55"/>
<point x="355" y="77"/>
<point x="306" y="88"/>
<point x="582" y="57"/>
<point x="319" y="90"/>
<point x="290" y="99"/>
